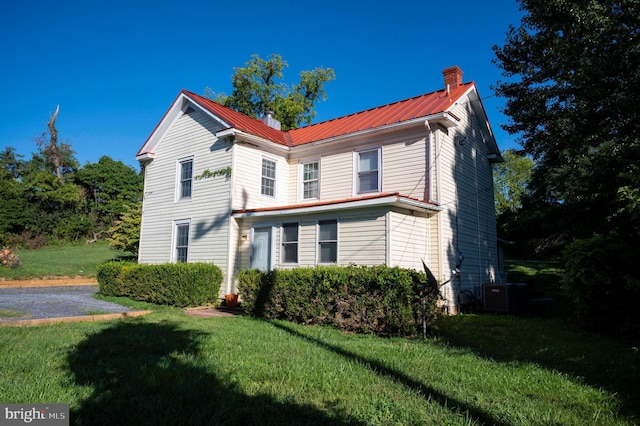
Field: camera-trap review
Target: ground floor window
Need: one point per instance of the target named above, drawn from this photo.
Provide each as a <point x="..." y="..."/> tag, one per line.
<point x="290" y="243"/>
<point x="181" y="241"/>
<point x="328" y="241"/>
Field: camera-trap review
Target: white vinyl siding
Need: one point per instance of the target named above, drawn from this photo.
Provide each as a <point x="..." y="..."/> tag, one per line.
<point x="468" y="219"/>
<point x="247" y="177"/>
<point x="363" y="238"/>
<point x="190" y="136"/>
<point x="337" y="176"/>
<point x="408" y="240"/>
<point x="404" y="165"/>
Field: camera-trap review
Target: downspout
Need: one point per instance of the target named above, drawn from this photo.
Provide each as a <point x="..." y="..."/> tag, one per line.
<point x="432" y="149"/>
<point x="233" y="247"/>
<point x="430" y="160"/>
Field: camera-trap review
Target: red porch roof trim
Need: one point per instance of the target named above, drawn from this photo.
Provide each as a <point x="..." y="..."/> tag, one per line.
<point x="386" y="198"/>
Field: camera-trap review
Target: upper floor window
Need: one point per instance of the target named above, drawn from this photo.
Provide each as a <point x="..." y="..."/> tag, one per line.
<point x="328" y="241"/>
<point x="368" y="171"/>
<point x="186" y="179"/>
<point x="268" y="185"/>
<point x="310" y="174"/>
<point x="290" y="243"/>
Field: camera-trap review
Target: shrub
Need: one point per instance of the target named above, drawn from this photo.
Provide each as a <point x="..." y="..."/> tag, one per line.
<point x="602" y="279"/>
<point x="366" y="299"/>
<point x="176" y="284"/>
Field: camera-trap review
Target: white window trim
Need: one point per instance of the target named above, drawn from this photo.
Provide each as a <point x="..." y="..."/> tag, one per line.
<point x="337" y="262"/>
<point x="174" y="239"/>
<point x="275" y="180"/>
<point x="179" y="197"/>
<point x="301" y="179"/>
<point x="282" y="243"/>
<point x="356" y="157"/>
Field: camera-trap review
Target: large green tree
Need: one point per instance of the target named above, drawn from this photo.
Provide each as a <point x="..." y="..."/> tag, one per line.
<point x="258" y="88"/>
<point x="13" y="208"/>
<point x="572" y="91"/>
<point x="572" y="88"/>
<point x="511" y="178"/>
<point x="110" y="187"/>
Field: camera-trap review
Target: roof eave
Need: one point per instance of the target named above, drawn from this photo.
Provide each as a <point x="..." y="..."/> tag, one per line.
<point x="389" y="200"/>
<point x="240" y="136"/>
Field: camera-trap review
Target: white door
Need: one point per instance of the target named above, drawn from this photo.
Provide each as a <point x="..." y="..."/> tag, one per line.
<point x="261" y="249"/>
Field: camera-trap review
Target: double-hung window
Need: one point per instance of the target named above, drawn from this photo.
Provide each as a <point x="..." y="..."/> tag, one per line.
<point x="185" y="172"/>
<point x="290" y="242"/>
<point x="268" y="184"/>
<point x="368" y="171"/>
<point x="310" y="175"/>
<point x="327" y="241"/>
<point x="181" y="241"/>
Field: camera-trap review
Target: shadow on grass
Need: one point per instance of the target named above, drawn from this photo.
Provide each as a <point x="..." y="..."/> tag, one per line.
<point x="149" y="374"/>
<point x="429" y="393"/>
<point x="598" y="361"/>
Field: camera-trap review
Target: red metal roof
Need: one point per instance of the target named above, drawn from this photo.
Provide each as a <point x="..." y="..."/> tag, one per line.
<point x="240" y="121"/>
<point x="397" y="112"/>
<point x="408" y="109"/>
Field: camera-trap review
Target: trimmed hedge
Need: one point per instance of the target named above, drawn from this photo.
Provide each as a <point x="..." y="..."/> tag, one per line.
<point x="362" y="299"/>
<point x="176" y="284"/>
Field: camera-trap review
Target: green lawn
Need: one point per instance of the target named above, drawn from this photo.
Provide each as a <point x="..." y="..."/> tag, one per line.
<point x="62" y="261"/>
<point x="169" y="368"/>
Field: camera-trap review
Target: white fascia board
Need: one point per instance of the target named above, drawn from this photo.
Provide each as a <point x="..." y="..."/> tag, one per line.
<point x="349" y="205"/>
<point x="205" y="111"/>
<point x="172" y="114"/>
<point x="417" y="205"/>
<point x="226" y="132"/>
<point x="257" y="140"/>
<point x="147" y="156"/>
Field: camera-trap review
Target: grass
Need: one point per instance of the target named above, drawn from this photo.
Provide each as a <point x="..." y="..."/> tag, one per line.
<point x="61" y="261"/>
<point x="169" y="368"/>
<point x="10" y="313"/>
<point x="544" y="279"/>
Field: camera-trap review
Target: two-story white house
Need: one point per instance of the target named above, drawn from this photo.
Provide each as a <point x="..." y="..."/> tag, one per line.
<point x="397" y="184"/>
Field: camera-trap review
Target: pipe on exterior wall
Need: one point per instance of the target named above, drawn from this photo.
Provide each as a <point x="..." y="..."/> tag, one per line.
<point x="430" y="163"/>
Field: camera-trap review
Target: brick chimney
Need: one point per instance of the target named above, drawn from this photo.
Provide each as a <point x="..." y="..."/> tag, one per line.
<point x="452" y="77"/>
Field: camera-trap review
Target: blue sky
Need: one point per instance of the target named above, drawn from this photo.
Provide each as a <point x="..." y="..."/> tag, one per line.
<point x="115" y="67"/>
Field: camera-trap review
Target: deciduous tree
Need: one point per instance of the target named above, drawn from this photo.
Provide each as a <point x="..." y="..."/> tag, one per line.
<point x="258" y="88"/>
<point x="572" y="90"/>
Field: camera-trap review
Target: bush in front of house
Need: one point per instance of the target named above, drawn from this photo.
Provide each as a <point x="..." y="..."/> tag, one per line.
<point x="175" y="284"/>
<point x="365" y="299"/>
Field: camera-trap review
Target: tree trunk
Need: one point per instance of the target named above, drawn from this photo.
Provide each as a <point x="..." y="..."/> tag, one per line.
<point x="53" y="144"/>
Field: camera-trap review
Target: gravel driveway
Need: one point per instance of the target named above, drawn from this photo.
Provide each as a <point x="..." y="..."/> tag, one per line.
<point x="53" y="302"/>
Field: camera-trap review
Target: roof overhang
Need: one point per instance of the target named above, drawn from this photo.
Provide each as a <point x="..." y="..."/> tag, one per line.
<point x="239" y="136"/>
<point x="378" y="200"/>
